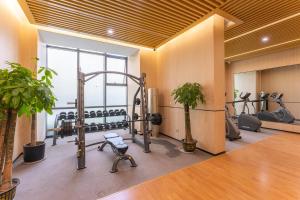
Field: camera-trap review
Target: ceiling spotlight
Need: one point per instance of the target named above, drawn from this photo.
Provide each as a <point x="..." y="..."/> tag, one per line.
<point x="265" y="39"/>
<point x="110" y="31"/>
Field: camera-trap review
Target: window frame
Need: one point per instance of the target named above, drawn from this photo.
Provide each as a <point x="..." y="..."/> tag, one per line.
<point x="105" y="83"/>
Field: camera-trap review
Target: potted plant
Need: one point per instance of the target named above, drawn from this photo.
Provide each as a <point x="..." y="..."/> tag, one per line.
<point x="190" y="95"/>
<point x="43" y="99"/>
<point x="20" y="93"/>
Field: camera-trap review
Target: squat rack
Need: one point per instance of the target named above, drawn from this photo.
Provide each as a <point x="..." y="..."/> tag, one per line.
<point x="79" y="104"/>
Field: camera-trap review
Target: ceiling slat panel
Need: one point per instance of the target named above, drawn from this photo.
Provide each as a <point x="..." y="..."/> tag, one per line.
<point x="257" y="13"/>
<point x="261" y="19"/>
<point x="152" y="22"/>
<point x="156" y="7"/>
<point x="80" y="21"/>
<point x="138" y="24"/>
<point x="45" y="10"/>
<point x="143" y="22"/>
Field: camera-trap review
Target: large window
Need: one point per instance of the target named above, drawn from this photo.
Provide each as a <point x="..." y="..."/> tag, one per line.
<point x="94" y="88"/>
<point x="104" y="92"/>
<point x="64" y="62"/>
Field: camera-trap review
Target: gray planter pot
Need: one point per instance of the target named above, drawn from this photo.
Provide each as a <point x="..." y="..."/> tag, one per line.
<point x="189" y="146"/>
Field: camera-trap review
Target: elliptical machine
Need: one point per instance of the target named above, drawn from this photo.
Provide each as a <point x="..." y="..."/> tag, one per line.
<point x="232" y="132"/>
<point x="246" y="121"/>
<point x="282" y="114"/>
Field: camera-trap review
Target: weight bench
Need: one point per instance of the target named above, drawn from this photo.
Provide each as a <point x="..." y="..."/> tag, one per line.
<point x="119" y="148"/>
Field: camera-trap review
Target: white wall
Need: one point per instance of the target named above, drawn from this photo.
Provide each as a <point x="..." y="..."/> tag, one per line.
<point x="41" y="117"/>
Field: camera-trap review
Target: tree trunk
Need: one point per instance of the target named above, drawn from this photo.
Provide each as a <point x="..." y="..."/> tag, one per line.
<point x="7" y="172"/>
<point x="33" y="131"/>
<point x="188" y="134"/>
<point x="3" y="126"/>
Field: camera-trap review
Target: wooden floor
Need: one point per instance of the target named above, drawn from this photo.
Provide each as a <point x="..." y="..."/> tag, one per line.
<point x="269" y="169"/>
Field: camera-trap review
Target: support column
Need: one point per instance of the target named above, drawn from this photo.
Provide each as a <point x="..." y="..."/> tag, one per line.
<point x="195" y="56"/>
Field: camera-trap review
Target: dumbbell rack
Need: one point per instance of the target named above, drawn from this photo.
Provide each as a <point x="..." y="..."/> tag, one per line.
<point x="93" y="127"/>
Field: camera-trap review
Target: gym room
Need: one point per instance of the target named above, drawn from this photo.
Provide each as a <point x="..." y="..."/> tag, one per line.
<point x="149" y="99"/>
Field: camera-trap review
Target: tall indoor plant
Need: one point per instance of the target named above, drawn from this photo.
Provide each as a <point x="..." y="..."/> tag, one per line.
<point x="190" y="95"/>
<point x="44" y="100"/>
<point x="20" y="94"/>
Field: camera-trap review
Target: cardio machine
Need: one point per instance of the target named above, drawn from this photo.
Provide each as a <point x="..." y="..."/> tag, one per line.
<point x="246" y="121"/>
<point x="281" y="114"/>
<point x="232" y="132"/>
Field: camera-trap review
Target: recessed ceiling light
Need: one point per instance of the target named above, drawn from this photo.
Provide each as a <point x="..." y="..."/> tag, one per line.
<point x="265" y="39"/>
<point x="110" y="31"/>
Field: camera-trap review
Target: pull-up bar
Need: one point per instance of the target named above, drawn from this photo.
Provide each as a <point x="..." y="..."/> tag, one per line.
<point x="92" y="75"/>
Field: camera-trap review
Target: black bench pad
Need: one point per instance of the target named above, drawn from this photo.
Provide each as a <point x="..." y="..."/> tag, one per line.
<point x="119" y="144"/>
<point x="119" y="148"/>
<point x="111" y="135"/>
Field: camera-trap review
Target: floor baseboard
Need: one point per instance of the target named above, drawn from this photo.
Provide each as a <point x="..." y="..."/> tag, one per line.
<point x="197" y="147"/>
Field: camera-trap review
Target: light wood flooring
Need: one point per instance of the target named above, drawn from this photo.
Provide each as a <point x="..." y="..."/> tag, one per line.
<point x="268" y="169"/>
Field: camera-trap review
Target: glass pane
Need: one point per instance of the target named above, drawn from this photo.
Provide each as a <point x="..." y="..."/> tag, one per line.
<point x="94" y="88"/>
<point x="64" y="62"/>
<point x="91" y="62"/>
<point x="118" y="65"/>
<point x="116" y="95"/>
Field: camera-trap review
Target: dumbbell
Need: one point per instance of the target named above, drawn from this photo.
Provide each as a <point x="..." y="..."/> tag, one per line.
<point x="93" y="127"/>
<point x="62" y="116"/>
<point x="119" y="124"/>
<point x="100" y="127"/>
<point x="111" y="113"/>
<point x="106" y="126"/>
<point x="92" y="114"/>
<point x="86" y="114"/>
<point x="86" y="128"/>
<point x="125" y="124"/>
<point x="113" y="125"/>
<point x="99" y="113"/>
<point x="71" y="115"/>
<point x="117" y="112"/>
<point x="137" y="101"/>
<point x="105" y="113"/>
<point x="122" y="112"/>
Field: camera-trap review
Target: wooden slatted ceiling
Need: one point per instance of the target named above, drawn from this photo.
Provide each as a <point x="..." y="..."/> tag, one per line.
<point x="261" y="13"/>
<point x="282" y="32"/>
<point x="257" y="13"/>
<point x="150" y="23"/>
<point x="143" y="22"/>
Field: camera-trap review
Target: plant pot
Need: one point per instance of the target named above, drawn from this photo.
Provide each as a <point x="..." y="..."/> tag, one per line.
<point x="34" y="153"/>
<point x="189" y="146"/>
<point x="10" y="194"/>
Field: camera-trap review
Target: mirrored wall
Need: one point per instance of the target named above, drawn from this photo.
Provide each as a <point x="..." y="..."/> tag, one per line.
<point x="281" y="80"/>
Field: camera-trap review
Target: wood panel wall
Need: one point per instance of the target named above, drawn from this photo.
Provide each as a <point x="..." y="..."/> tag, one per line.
<point x="18" y="41"/>
<point x="195" y="56"/>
